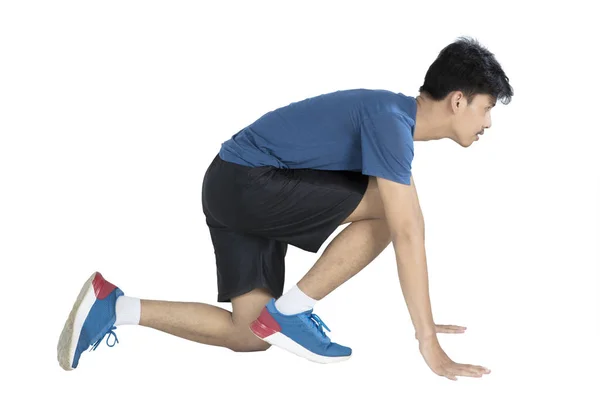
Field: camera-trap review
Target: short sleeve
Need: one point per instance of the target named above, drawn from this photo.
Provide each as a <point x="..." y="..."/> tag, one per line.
<point x="387" y="147"/>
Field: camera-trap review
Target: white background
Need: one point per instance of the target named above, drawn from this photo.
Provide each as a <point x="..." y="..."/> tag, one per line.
<point x="110" y="113"/>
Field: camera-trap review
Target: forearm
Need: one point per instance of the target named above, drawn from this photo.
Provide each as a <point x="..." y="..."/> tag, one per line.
<point x="409" y="247"/>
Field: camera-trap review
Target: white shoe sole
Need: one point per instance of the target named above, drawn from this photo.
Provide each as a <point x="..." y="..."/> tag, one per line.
<point x="69" y="336"/>
<point x="280" y="340"/>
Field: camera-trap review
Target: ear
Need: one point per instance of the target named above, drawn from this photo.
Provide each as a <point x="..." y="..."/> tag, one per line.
<point x="457" y="101"/>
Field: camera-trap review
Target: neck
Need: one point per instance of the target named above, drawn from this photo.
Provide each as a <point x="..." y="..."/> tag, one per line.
<point x="432" y="121"/>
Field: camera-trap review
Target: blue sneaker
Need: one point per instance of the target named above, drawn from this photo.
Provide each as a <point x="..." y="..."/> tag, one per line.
<point x="91" y="319"/>
<point x="301" y="334"/>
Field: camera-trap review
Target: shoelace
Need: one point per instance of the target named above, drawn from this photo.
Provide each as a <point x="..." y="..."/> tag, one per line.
<point x="319" y="324"/>
<point x="111" y="332"/>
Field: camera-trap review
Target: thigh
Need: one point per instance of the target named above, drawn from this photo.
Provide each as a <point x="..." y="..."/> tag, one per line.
<point x="246" y="262"/>
<point x="300" y="207"/>
<point x="247" y="307"/>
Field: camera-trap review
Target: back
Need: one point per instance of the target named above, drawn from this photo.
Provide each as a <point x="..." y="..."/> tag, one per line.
<point x="356" y="130"/>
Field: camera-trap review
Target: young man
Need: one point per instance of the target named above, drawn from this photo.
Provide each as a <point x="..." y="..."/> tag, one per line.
<point x="292" y="177"/>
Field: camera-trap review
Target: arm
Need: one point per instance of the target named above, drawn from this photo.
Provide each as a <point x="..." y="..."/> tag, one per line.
<point x="406" y="224"/>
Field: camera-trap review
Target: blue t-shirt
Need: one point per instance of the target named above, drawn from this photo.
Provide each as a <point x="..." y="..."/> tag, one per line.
<point x="364" y="130"/>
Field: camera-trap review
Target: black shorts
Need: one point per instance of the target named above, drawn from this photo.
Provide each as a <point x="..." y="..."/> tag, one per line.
<point x="253" y="213"/>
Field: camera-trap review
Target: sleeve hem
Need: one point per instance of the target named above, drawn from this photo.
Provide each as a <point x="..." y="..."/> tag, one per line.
<point x="403" y="179"/>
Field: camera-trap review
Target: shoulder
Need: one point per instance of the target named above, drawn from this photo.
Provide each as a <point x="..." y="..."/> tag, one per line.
<point x="387" y="104"/>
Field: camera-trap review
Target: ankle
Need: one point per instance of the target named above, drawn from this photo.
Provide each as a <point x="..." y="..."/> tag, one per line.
<point x="128" y="311"/>
<point x="294" y="301"/>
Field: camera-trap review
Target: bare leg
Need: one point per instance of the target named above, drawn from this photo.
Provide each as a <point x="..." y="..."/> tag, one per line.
<point x="208" y="324"/>
<point x="353" y="249"/>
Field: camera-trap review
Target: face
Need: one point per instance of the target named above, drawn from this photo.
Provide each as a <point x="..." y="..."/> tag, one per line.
<point x="470" y="120"/>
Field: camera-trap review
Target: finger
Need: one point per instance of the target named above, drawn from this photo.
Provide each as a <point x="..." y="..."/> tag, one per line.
<point x="475" y="368"/>
<point x="450" y="329"/>
<point x="483" y="370"/>
<point x="451" y="377"/>
<point x="458" y="328"/>
<point x="461" y="371"/>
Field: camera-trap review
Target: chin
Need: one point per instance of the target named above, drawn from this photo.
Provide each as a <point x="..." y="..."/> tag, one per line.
<point x="464" y="143"/>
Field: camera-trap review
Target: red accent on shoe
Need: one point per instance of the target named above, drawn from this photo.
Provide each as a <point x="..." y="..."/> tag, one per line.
<point x="102" y="287"/>
<point x="265" y="325"/>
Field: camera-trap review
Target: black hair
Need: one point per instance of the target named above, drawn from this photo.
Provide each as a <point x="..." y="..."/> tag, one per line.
<point x="467" y="66"/>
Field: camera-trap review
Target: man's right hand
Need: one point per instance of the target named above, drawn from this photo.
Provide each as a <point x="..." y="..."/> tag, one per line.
<point x="442" y="365"/>
<point x="407" y="228"/>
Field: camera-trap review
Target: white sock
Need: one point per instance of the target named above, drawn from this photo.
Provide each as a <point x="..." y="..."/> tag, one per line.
<point x="294" y="301"/>
<point x="128" y="310"/>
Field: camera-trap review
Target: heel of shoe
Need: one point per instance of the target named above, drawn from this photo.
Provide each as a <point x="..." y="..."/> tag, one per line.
<point x="102" y="287"/>
<point x="265" y="325"/>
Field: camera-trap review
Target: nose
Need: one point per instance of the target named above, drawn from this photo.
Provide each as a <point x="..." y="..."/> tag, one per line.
<point x="488" y="122"/>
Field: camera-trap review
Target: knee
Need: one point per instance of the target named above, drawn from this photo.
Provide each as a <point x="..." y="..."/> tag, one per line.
<point x="248" y="345"/>
<point x="244" y="341"/>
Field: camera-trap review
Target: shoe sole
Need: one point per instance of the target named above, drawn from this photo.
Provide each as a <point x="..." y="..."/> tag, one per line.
<point x="278" y="339"/>
<point x="69" y="337"/>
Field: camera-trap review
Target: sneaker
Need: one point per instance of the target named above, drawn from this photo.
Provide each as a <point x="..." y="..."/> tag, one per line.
<point x="301" y="334"/>
<point x="91" y="319"/>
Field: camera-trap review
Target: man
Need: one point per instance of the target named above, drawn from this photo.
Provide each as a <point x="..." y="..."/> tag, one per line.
<point x="294" y="176"/>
